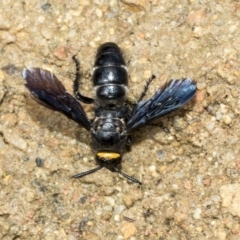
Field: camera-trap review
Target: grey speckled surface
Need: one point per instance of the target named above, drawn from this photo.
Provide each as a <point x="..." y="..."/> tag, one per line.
<point x="190" y="174"/>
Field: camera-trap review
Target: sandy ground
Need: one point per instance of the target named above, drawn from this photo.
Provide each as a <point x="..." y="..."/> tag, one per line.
<point x="189" y="169"/>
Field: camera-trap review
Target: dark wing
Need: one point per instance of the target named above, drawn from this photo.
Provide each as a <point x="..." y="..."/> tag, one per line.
<point x="47" y="90"/>
<point x="170" y="97"/>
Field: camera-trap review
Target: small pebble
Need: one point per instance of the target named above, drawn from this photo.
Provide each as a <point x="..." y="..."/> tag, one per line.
<point x="99" y="12"/>
<point x="60" y="53"/>
<point x="118" y="209"/>
<point x="197" y="213"/>
<point x="227" y="119"/>
<point x="91" y="236"/>
<point x="128" y="230"/>
<point x="128" y="201"/>
<point x="46" y="32"/>
<point x="13" y="137"/>
<point x="30" y="196"/>
<point x="230" y="194"/>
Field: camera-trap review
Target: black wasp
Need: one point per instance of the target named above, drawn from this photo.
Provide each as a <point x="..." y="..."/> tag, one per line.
<point x="115" y="118"/>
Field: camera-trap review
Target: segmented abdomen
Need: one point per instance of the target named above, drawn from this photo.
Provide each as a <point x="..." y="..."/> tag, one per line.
<point x="110" y="75"/>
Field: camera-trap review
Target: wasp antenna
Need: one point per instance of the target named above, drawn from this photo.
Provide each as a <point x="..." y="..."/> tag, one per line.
<point x="127" y="176"/>
<point x="79" y="175"/>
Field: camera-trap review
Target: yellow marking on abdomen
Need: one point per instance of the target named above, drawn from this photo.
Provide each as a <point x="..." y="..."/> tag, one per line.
<point x="108" y="155"/>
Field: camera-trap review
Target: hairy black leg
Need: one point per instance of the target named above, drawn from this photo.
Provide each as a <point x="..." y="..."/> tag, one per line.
<point x="77" y="83"/>
<point x="143" y="94"/>
<point x="146" y="88"/>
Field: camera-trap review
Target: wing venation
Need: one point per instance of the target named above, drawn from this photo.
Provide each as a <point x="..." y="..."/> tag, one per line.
<point x="170" y="97"/>
<point x="50" y="92"/>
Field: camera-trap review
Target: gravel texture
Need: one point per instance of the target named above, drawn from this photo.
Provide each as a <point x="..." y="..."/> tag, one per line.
<point x="190" y="168"/>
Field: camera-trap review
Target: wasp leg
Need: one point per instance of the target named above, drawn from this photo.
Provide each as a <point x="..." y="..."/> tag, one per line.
<point x="143" y="94"/>
<point x="77" y="83"/>
<point x="146" y="88"/>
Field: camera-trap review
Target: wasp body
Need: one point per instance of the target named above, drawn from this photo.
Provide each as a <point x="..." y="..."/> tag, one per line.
<point x="115" y="119"/>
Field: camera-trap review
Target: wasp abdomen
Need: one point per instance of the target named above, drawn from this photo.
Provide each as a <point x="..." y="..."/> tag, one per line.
<point x="109" y="54"/>
<point x="110" y="75"/>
